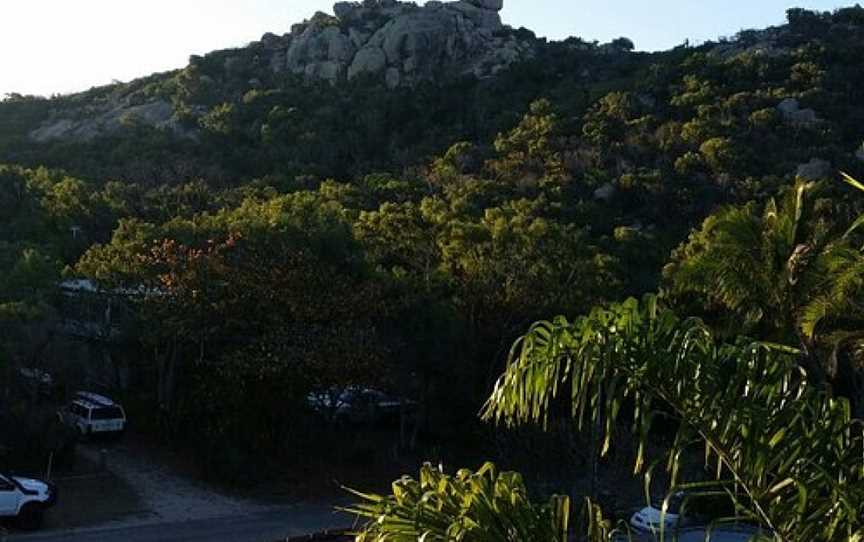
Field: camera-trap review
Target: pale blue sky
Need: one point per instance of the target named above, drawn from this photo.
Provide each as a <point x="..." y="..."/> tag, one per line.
<point x="60" y="46"/>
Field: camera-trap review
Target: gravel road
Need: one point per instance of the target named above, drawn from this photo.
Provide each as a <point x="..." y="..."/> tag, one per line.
<point x="268" y="526"/>
<point x="168" y="497"/>
<point x="175" y="508"/>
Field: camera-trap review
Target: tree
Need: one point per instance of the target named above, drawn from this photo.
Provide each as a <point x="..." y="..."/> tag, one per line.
<point x="720" y="154"/>
<point x="608" y="120"/>
<point x="276" y="287"/>
<point x="530" y="152"/>
<point x="803" y="20"/>
<point x="758" y="265"/>
<point x="793" y="451"/>
<point x="623" y="44"/>
<point x="833" y="319"/>
<point x="456" y="161"/>
<point x="789" y="274"/>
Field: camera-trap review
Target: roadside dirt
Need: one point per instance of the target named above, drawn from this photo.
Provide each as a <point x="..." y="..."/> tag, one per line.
<point x="165" y="495"/>
<point x="92" y="500"/>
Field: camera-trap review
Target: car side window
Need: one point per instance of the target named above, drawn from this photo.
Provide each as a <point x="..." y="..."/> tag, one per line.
<point x="6" y="485"/>
<point x="80" y="411"/>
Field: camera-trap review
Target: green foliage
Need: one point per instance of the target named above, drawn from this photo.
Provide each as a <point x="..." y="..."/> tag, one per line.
<point x="790" y="448"/>
<point x="760" y="265"/>
<point x="219" y="119"/>
<point x="454" y="163"/>
<point x="720" y="154"/>
<point x="30" y="435"/>
<point x="528" y="153"/>
<point x="296" y="236"/>
<point x="785" y="273"/>
<point x="859" y="222"/>
<point x="470" y="506"/>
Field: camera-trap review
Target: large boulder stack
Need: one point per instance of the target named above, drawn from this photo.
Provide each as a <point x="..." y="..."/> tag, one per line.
<point x="396" y="43"/>
<point x="400" y="43"/>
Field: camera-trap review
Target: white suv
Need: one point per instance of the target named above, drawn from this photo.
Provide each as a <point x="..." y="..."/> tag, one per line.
<point x="93" y="414"/>
<point x="25" y="499"/>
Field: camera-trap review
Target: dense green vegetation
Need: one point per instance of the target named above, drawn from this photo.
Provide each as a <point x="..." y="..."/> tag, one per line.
<point x="292" y="238"/>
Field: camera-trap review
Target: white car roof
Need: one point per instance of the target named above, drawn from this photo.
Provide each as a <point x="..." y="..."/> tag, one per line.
<point x="94" y="399"/>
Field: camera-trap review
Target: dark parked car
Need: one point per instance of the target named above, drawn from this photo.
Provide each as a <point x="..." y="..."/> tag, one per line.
<point x="358" y="405"/>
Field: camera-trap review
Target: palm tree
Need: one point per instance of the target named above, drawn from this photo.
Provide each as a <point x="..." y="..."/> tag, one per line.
<point x="793" y="451"/>
<point x="772" y="271"/>
<point x="833" y="318"/>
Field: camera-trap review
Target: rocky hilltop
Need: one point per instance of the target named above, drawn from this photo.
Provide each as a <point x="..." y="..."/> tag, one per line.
<point x="400" y="42"/>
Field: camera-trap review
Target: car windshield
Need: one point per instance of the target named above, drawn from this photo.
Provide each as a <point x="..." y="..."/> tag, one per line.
<point x="676" y="502"/>
<point x="107" y="413"/>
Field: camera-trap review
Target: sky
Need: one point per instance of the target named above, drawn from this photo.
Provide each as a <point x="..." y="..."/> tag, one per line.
<point x="61" y="46"/>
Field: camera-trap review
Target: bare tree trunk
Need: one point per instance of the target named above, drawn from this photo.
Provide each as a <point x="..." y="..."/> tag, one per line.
<point x="420" y="415"/>
<point x="403" y="423"/>
<point x="166" y="377"/>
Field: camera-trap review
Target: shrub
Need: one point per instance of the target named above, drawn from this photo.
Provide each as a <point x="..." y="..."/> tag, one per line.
<point x="472" y="506"/>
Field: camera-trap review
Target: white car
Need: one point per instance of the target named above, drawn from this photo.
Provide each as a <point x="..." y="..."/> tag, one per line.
<point x="685" y="510"/>
<point x="651" y="519"/>
<point x="25" y="499"/>
<point x="92" y="414"/>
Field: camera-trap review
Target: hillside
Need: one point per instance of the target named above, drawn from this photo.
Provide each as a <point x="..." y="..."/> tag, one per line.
<point x="386" y="85"/>
<point x="390" y="195"/>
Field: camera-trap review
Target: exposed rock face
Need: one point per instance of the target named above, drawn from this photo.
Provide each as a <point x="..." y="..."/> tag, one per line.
<point x="761" y="43"/>
<point x="159" y="114"/>
<point x="815" y="170"/>
<point x="788" y="106"/>
<point x="606" y="192"/>
<point x="794" y="115"/>
<point x="494" y="5"/>
<point x="400" y="43"/>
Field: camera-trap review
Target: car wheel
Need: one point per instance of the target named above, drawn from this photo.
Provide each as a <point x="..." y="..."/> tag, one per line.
<point x="30" y="517"/>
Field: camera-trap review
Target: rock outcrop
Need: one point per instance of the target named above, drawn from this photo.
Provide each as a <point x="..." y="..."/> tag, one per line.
<point x="606" y="192"/>
<point x="399" y="43"/>
<point x="396" y="43"/>
<point x="815" y="170"/>
<point x="760" y="43"/>
<point x="795" y="116"/>
<point x="113" y="116"/>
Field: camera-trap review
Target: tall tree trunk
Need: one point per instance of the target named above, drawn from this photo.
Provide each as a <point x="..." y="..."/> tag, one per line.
<point x="166" y="383"/>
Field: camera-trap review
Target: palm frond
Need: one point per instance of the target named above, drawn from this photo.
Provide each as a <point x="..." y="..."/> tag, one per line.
<point x="860" y="186"/>
<point x="793" y="451"/>
<point x="471" y="506"/>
